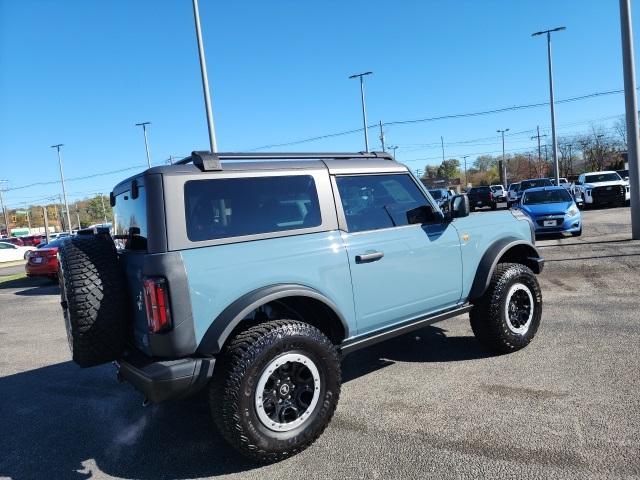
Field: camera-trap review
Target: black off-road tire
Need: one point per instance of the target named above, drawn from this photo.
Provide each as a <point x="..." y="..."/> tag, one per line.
<point x="94" y="299"/>
<point x="232" y="391"/>
<point x="489" y="320"/>
<point x="494" y="206"/>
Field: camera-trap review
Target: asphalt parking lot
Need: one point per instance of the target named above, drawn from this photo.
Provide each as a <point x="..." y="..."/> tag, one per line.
<point x="431" y="404"/>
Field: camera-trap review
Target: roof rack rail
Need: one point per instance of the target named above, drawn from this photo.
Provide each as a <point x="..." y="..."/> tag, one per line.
<point x="208" y="161"/>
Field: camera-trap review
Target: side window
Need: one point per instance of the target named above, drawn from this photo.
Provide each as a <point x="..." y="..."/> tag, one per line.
<point x="234" y="207"/>
<point x="372" y="202"/>
<point x="4" y="246"/>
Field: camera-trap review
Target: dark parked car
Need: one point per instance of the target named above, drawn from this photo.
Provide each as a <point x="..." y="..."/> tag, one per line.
<point x="481" y="197"/>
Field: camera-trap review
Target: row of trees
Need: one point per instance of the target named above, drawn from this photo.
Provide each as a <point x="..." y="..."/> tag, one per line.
<point x="88" y="211"/>
<point x="599" y="149"/>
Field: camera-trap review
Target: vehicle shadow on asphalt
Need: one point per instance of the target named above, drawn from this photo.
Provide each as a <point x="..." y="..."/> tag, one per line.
<point x="64" y="422"/>
<point x="429" y="344"/>
<point x="32" y="286"/>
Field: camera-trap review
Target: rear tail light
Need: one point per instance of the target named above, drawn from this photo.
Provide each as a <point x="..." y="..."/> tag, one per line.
<point x="156" y="299"/>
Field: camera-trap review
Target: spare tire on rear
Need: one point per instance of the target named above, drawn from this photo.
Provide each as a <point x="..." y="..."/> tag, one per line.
<point x="93" y="299"/>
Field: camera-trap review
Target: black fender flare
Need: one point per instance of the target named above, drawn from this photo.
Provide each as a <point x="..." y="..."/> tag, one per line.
<point x="220" y="329"/>
<point x="494" y="253"/>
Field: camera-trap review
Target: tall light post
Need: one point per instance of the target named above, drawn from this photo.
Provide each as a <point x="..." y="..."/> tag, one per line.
<point x="504" y="165"/>
<point x="146" y="141"/>
<point x="551" y="101"/>
<point x="464" y="159"/>
<point x="364" y="108"/>
<point x="213" y="144"/>
<point x="4" y="212"/>
<point x="64" y="192"/>
<point x="631" y="109"/>
<point x="104" y="210"/>
<point x="394" y="148"/>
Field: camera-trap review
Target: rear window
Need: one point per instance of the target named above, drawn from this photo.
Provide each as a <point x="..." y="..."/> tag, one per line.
<point x="539" y="182"/>
<point x="436" y="194"/>
<point x="234" y="207"/>
<point x="130" y="219"/>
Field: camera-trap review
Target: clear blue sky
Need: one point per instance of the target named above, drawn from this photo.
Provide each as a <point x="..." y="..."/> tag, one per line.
<point x="83" y="73"/>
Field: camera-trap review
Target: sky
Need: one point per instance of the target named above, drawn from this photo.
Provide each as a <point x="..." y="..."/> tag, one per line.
<point x="83" y="72"/>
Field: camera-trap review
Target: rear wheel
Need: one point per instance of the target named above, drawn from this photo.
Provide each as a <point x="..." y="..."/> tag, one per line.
<point x="507" y="317"/>
<point x="276" y="389"/>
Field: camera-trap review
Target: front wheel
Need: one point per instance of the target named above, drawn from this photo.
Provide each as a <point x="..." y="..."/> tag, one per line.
<point x="577" y="234"/>
<point x="507" y="316"/>
<point x="276" y="389"/>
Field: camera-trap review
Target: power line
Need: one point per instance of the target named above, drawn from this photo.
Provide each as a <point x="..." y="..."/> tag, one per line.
<point x="443" y="117"/>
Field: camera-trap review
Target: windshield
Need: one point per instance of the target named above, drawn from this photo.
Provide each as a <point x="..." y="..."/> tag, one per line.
<point x="540" y="182"/>
<point x="436" y="194"/>
<point x="496" y="188"/>
<point x="602" y="177"/>
<point x="546" y="196"/>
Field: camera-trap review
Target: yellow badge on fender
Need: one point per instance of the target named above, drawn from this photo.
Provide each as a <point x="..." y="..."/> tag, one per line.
<point x="465" y="237"/>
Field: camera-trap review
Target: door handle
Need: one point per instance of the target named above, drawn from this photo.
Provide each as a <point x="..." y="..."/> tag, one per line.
<point x="369" y="257"/>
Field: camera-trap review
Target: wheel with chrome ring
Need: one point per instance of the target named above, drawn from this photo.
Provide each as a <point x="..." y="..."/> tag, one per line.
<point x="275" y="389"/>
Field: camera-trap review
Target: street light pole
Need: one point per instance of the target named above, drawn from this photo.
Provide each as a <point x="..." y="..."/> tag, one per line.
<point x="64" y="192"/>
<point x="146" y="141"/>
<point x="213" y="144"/>
<point x="394" y="148"/>
<point x="504" y="165"/>
<point x="551" y="101"/>
<point x="4" y="212"/>
<point x="364" y="109"/>
<point x="26" y="209"/>
<point x="631" y="108"/>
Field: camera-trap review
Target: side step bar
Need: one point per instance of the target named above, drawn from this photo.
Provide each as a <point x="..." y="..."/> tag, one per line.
<point x="397" y="330"/>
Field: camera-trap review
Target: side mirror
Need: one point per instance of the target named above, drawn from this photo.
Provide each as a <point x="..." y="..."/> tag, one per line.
<point x="459" y="206"/>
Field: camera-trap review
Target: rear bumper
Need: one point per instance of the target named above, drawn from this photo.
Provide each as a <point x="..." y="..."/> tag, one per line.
<point x="41" y="270"/>
<point x="161" y="380"/>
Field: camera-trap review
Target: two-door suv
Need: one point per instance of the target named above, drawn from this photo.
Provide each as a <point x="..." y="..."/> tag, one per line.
<point x="249" y="275"/>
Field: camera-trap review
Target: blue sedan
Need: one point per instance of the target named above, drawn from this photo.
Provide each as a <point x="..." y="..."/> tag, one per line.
<point x="552" y="210"/>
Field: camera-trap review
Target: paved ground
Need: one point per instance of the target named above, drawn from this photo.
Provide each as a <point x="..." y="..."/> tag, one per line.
<point x="427" y="405"/>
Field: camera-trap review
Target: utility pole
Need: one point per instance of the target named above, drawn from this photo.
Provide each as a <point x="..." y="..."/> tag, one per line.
<point x="442" y="144"/>
<point x="538" y="136"/>
<point x="394" y="148"/>
<point x="78" y="215"/>
<point x="213" y="144"/>
<point x="530" y="172"/>
<point x="631" y="109"/>
<point x="104" y="210"/>
<point x="464" y="158"/>
<point x="4" y="211"/>
<point x="146" y="141"/>
<point x="382" y="136"/>
<point x="551" y="101"/>
<point x="504" y="165"/>
<point x="46" y="224"/>
<point x="61" y="215"/>
<point x="364" y="109"/>
<point x="26" y="209"/>
<point x="64" y="193"/>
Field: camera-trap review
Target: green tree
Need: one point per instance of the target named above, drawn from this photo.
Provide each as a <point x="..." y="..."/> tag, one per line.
<point x="449" y="168"/>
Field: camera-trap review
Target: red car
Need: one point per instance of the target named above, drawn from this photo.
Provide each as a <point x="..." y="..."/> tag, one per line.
<point x="43" y="262"/>
<point x="14" y="240"/>
<point x="33" y="240"/>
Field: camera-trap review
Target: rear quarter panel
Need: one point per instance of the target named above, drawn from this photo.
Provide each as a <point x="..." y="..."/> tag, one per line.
<point x="219" y="275"/>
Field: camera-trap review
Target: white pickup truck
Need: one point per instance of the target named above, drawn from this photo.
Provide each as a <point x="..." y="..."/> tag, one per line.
<point x="602" y="188"/>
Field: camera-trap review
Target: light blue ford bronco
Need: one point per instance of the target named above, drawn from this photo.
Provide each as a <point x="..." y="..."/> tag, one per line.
<point x="249" y="275"/>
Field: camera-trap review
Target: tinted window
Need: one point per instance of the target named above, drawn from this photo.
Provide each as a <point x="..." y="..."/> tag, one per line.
<point x="233" y="207"/>
<point x="602" y="177"/>
<point x="130" y="218"/>
<point x="539" y="182"/>
<point x="371" y="202"/>
<point x="546" y="196"/>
